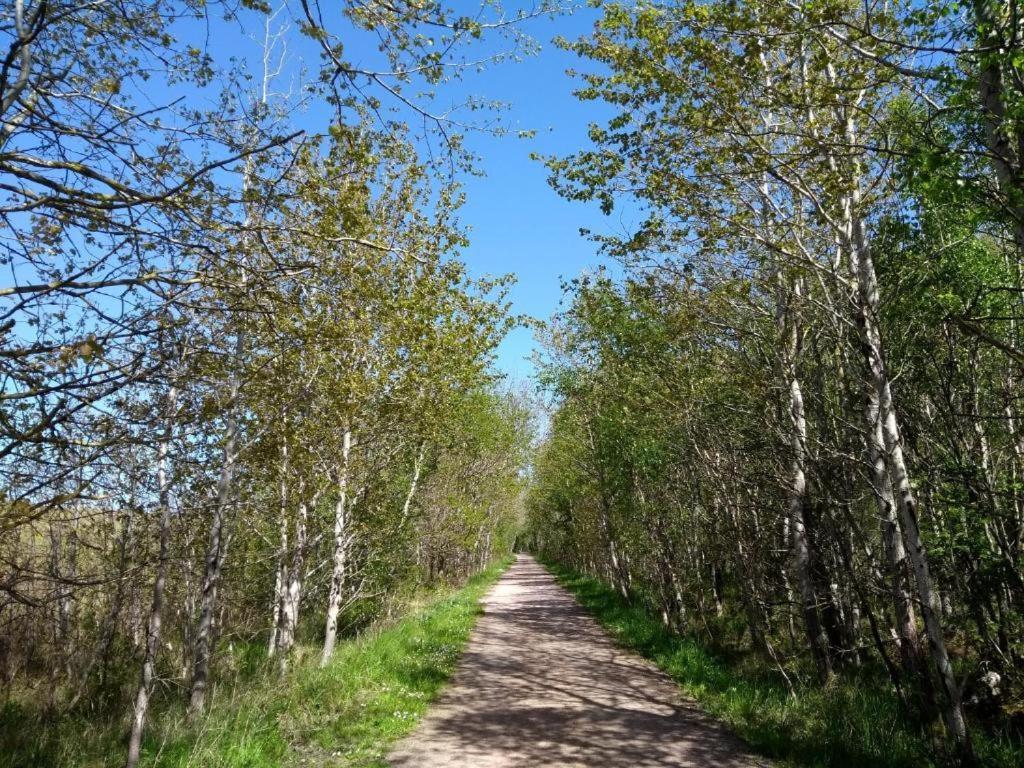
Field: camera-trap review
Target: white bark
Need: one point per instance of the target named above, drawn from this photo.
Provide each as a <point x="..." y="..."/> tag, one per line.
<point x="291" y="597"/>
<point x="417" y="469"/>
<point x="863" y="272"/>
<point x="280" y="572"/>
<point x="341" y="541"/>
<point x="892" y="538"/>
<point x="798" y="530"/>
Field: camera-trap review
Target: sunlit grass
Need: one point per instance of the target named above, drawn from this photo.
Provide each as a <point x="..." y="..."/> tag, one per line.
<point x="346" y="714"/>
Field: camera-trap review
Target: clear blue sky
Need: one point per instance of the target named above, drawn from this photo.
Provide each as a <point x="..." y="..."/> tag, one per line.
<point x="517" y="223"/>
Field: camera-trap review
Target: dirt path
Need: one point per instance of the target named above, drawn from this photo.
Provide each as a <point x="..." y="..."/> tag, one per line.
<point x="541" y="685"/>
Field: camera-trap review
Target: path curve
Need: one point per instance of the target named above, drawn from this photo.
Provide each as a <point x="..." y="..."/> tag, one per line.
<point x="542" y="686"/>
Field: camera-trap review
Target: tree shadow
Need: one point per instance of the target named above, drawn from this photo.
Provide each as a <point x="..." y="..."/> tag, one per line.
<point x="542" y="685"/>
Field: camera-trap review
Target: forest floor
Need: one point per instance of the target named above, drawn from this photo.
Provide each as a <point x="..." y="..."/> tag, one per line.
<point x="542" y="685"/>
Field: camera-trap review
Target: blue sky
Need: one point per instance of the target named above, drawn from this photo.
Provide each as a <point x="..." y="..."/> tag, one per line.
<point x="517" y="223"/>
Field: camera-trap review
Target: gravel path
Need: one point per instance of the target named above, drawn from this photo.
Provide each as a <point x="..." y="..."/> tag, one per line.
<point x="540" y="685"/>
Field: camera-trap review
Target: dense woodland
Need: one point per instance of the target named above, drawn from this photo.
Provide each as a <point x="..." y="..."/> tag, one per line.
<point x="248" y="400"/>
<point x="793" y="423"/>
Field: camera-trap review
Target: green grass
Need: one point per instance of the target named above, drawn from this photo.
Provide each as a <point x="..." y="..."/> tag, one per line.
<point x="854" y="722"/>
<point x="347" y="714"/>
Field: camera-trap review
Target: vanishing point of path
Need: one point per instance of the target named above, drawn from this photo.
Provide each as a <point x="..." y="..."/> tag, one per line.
<point x="540" y="685"/>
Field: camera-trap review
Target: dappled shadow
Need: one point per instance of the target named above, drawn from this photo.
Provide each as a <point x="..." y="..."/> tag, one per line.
<point x="541" y="685"/>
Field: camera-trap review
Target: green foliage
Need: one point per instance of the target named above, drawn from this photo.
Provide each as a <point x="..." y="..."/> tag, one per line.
<point x="850" y="723"/>
<point x="373" y="692"/>
<point x="830" y="242"/>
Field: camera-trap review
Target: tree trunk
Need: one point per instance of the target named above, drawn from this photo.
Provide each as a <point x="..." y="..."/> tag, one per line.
<point x="802" y="552"/>
<point x="892" y="540"/>
<point x="417" y="468"/>
<point x="215" y="554"/>
<point x="867" y="298"/>
<point x="341" y="535"/>
<point x="280" y="572"/>
<point x="291" y="597"/>
<point x="157" y="606"/>
<point x="1000" y="128"/>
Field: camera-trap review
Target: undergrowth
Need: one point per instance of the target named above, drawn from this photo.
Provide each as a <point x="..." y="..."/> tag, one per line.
<point x="854" y="722"/>
<point x="348" y="713"/>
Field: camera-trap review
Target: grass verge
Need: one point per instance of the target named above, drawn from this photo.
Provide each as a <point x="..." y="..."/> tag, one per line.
<point x="853" y="722"/>
<point x="348" y="713"/>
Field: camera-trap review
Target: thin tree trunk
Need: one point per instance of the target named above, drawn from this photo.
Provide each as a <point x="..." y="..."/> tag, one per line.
<point x="292" y="595"/>
<point x="205" y="639"/>
<point x="145" y="689"/>
<point x="417" y="468"/>
<point x="868" y="301"/>
<point x="282" y="551"/>
<point x="215" y="554"/>
<point x="188" y="608"/>
<point x="802" y="553"/>
<point x="892" y="540"/>
<point x="341" y="535"/>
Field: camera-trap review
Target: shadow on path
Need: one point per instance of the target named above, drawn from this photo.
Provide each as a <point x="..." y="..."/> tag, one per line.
<point x="540" y="685"/>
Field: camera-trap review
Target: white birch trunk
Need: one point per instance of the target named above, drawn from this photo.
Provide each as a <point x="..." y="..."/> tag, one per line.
<point x="282" y="551"/>
<point x="417" y="469"/>
<point x="341" y="536"/>
<point x="862" y="267"/>
<point x="798" y="530"/>
<point x="291" y="598"/>
<point x="892" y="539"/>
